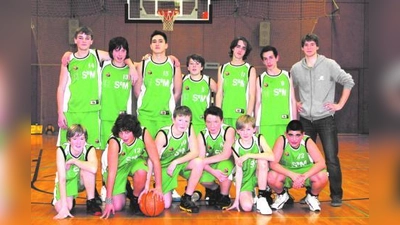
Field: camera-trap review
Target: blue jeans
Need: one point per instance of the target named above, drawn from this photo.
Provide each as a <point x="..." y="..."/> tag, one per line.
<point x="327" y="131"/>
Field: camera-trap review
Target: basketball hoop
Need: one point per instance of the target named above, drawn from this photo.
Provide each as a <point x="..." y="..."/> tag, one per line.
<point x="168" y="18"/>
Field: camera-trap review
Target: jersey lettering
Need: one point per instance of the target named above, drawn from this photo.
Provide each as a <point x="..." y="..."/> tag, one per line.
<point x="238" y="82"/>
<point x="162" y="82"/>
<point x="88" y="74"/>
<point x="121" y="85"/>
<point x="199" y="98"/>
<point x="280" y="92"/>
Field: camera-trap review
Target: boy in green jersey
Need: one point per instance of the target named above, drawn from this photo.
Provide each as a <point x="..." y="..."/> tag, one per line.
<point x="298" y="164"/>
<point x="126" y="155"/>
<point x="159" y="85"/>
<point x="215" y="145"/>
<point x="76" y="170"/>
<point x="179" y="156"/>
<point x="197" y="90"/>
<point x="252" y="154"/>
<point x="116" y="87"/>
<point x="236" y="83"/>
<point x="275" y="101"/>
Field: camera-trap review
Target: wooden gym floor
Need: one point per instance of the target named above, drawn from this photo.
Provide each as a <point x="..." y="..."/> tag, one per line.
<point x="354" y="155"/>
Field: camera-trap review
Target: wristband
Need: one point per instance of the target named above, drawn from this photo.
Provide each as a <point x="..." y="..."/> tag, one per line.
<point x="108" y="200"/>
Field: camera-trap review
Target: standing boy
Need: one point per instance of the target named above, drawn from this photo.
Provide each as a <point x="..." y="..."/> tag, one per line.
<point x="215" y="145"/>
<point x="298" y="164"/>
<point x="236" y="83"/>
<point x="116" y="87"/>
<point x="315" y="78"/>
<point x="159" y="85"/>
<point x="275" y="100"/>
<point x="197" y="90"/>
<point x="252" y="154"/>
<point x="178" y="150"/>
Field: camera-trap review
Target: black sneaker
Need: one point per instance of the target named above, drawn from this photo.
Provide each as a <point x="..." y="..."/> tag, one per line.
<point x="212" y="196"/>
<point x="92" y="207"/>
<point x="223" y="202"/>
<point x="187" y="204"/>
<point x="97" y="197"/>
<point x="134" y="205"/>
<point x="336" y="202"/>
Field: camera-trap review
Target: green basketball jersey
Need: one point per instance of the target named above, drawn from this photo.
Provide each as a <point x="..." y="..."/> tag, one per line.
<point x="296" y="159"/>
<point x="235" y="89"/>
<point x="156" y="97"/>
<point x="196" y="95"/>
<point x="175" y="147"/>
<point x="72" y="175"/>
<point x="275" y="107"/>
<point x="126" y="156"/>
<point x="214" y="146"/>
<point x="82" y="93"/>
<point x="249" y="166"/>
<point x="116" y="89"/>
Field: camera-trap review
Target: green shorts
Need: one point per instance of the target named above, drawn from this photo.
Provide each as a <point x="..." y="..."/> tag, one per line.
<point x="153" y="126"/>
<point x="89" y="120"/>
<point x="288" y="183"/>
<point x="272" y="132"/>
<point x="169" y="183"/>
<point x="249" y="184"/>
<point x="122" y="175"/>
<point x="226" y="166"/>
<point x="72" y="187"/>
<point x="105" y="132"/>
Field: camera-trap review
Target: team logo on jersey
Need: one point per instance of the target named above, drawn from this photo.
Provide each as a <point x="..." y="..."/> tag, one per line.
<point x="286" y="154"/>
<point x="75" y="68"/>
<point x="149" y="72"/>
<point x="187" y="88"/>
<point x="227" y="73"/>
<point x="209" y="147"/>
<point x="108" y="74"/>
<point x="265" y="84"/>
<point x="171" y="149"/>
<point x="123" y="153"/>
<point x="226" y="170"/>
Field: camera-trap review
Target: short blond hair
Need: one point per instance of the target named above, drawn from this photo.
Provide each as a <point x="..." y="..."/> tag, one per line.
<point x="245" y="119"/>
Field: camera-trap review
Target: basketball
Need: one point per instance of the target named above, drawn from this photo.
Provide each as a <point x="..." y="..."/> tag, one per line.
<point x="150" y="205"/>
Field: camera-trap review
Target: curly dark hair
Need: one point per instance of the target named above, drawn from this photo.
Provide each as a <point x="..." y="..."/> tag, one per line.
<point x="127" y="122"/>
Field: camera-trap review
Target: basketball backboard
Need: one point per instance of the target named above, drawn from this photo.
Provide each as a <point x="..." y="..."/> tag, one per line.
<point x="188" y="11"/>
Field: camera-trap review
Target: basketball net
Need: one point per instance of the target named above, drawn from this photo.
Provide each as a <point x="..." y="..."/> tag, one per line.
<point x="168" y="18"/>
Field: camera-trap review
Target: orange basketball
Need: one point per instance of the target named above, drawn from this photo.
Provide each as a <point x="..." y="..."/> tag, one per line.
<point x="150" y="205"/>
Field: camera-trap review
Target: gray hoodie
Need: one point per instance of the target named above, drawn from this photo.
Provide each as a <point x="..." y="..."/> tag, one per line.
<point x="316" y="85"/>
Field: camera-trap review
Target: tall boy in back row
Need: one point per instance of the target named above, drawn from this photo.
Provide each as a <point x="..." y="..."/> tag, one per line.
<point x="315" y="77"/>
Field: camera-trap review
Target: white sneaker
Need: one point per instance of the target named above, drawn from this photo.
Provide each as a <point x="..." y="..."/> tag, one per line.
<point x="313" y="203"/>
<point x="263" y="207"/>
<point x="280" y="201"/>
<point x="175" y="196"/>
<point x="103" y="193"/>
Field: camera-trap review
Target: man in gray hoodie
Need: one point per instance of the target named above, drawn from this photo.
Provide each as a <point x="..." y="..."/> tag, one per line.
<point x="315" y="77"/>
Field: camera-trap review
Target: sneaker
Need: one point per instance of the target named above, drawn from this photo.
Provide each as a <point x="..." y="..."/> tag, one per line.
<point x="92" y="207"/>
<point x="313" y="203"/>
<point x="212" y="196"/>
<point x="196" y="196"/>
<point x="336" y="202"/>
<point x="103" y="193"/>
<point x="175" y="196"/>
<point x="263" y="206"/>
<point x="134" y="205"/>
<point x="280" y="200"/>
<point x="223" y="202"/>
<point x="187" y="204"/>
<point x="97" y="197"/>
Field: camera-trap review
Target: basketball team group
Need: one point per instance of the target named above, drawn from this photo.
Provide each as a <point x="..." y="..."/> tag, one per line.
<point x="255" y="130"/>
